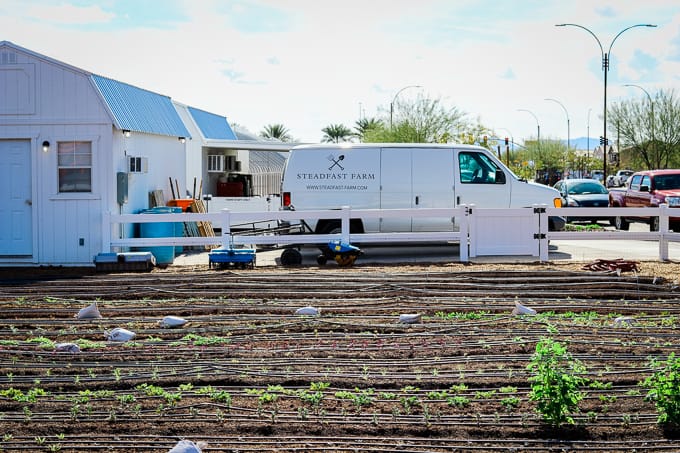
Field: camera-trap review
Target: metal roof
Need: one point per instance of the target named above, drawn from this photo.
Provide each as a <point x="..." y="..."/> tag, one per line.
<point x="212" y="126"/>
<point x="140" y="110"/>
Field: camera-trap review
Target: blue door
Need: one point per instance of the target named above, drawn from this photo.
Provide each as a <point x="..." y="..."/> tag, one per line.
<point x="16" y="228"/>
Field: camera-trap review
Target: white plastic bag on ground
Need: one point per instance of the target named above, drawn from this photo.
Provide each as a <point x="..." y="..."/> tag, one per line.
<point x="522" y="310"/>
<point x="308" y="311"/>
<point x="89" y="312"/>
<point x="173" y="321"/>
<point x="624" y="320"/>
<point x="187" y="446"/>
<point x="67" y="347"/>
<point x="120" y="334"/>
<point x="409" y="318"/>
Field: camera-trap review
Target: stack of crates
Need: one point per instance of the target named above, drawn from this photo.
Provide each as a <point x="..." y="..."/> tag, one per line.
<point x="226" y="257"/>
<point x="124" y="262"/>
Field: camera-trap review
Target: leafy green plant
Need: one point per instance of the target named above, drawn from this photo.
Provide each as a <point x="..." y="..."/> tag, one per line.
<point x="458" y="401"/>
<point x="44" y="343"/>
<point x="17" y="395"/>
<point x="556" y="382"/>
<point x="664" y="389"/>
<point x="510" y="403"/>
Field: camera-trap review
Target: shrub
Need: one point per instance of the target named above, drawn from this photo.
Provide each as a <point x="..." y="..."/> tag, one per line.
<point x="556" y="381"/>
<point x="664" y="389"/>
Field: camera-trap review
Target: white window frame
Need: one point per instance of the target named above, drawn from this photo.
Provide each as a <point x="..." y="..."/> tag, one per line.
<point x="94" y="193"/>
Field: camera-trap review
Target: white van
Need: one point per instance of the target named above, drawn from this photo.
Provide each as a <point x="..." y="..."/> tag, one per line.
<point x="391" y="176"/>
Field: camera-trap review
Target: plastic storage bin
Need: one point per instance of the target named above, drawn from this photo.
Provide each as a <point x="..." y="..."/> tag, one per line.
<point x="163" y="254"/>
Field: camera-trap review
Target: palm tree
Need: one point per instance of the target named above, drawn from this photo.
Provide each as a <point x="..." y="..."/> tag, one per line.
<point x="276" y="131"/>
<point x="336" y="133"/>
<point x="364" y="125"/>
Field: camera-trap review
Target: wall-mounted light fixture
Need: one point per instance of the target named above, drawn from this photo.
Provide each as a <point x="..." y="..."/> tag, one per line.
<point x="126" y="132"/>
<point x="46" y="146"/>
<point x="182" y="139"/>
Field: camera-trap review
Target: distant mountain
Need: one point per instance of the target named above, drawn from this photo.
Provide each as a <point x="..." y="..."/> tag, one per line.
<point x="583" y="143"/>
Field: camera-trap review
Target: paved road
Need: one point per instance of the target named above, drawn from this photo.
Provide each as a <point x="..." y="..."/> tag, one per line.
<point x="580" y="251"/>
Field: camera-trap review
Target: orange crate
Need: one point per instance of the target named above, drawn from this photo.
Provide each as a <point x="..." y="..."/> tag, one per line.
<point x="183" y="203"/>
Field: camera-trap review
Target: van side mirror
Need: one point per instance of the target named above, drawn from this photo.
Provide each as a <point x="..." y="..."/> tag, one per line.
<point x="500" y="176"/>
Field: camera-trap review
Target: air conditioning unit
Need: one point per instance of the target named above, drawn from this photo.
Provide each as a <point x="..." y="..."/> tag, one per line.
<point x="215" y="163"/>
<point x="138" y="164"/>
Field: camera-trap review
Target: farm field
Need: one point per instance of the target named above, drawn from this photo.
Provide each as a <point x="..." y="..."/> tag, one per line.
<point x="401" y="359"/>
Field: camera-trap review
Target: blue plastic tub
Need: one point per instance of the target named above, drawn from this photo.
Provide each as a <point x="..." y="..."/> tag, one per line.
<point x="163" y="254"/>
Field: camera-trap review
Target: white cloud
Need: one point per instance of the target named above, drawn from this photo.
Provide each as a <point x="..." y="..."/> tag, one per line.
<point x="334" y="61"/>
<point x="67" y="14"/>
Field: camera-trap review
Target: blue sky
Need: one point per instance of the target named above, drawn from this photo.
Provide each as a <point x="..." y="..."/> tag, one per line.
<point x="309" y="63"/>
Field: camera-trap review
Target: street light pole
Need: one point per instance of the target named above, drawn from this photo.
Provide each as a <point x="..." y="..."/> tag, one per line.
<point x="395" y="98"/>
<point x="651" y="106"/>
<point x="567" y="114"/>
<point x="538" y="126"/>
<point x="605" y="69"/>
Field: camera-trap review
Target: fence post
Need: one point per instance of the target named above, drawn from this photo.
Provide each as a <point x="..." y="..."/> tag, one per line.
<point x="464" y="228"/>
<point x="106" y="232"/>
<point x="542" y="235"/>
<point x="225" y="219"/>
<point x="344" y="224"/>
<point x="663" y="231"/>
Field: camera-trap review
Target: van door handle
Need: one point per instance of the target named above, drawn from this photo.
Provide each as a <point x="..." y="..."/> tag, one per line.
<point x="417" y="200"/>
<point x="457" y="200"/>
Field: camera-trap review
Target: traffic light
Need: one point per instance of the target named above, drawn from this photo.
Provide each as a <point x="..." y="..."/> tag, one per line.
<point x="603" y="141"/>
<point x="507" y="142"/>
<point x="486" y="139"/>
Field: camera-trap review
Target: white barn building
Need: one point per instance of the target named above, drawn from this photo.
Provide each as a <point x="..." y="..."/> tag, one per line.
<point x="74" y="145"/>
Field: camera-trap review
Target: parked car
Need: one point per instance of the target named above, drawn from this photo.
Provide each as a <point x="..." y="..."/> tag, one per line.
<point x="620" y="178"/>
<point x="610" y="181"/>
<point x="597" y="175"/>
<point x="582" y="193"/>
<point x="648" y="188"/>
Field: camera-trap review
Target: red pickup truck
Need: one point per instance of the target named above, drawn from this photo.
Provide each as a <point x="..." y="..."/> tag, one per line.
<point x="648" y="188"/>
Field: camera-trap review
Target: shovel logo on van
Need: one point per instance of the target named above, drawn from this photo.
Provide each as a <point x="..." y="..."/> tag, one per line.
<point x="336" y="162"/>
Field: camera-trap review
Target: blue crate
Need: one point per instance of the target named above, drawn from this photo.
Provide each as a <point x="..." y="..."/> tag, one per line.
<point x="227" y="256"/>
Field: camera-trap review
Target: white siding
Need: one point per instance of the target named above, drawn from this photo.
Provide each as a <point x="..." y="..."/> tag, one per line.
<point x="66" y="108"/>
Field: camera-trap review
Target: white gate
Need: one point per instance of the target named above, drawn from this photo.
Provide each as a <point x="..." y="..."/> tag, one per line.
<point x="503" y="232"/>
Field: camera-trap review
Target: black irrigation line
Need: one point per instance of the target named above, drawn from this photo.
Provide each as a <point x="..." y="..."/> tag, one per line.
<point x="299" y="368"/>
<point x="284" y="444"/>
<point x="193" y="284"/>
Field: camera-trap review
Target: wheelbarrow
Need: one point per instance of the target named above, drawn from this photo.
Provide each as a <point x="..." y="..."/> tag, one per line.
<point x="342" y="252"/>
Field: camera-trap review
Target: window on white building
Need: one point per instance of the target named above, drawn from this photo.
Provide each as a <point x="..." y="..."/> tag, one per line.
<point x="75" y="166"/>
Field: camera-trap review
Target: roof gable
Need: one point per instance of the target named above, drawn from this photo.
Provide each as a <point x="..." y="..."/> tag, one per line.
<point x="212" y="126"/>
<point x="140" y="110"/>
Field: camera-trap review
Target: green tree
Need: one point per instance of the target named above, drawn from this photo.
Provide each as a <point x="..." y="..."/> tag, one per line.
<point x="648" y="133"/>
<point x="364" y="125"/>
<point x="336" y="133"/>
<point x="276" y="131"/>
<point x="422" y="120"/>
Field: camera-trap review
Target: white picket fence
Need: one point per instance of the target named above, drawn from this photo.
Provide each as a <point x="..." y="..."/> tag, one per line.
<point x="479" y="231"/>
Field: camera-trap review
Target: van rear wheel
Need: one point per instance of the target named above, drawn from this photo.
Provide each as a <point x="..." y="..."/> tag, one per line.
<point x="332" y="228"/>
<point x="291" y="257"/>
